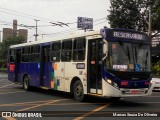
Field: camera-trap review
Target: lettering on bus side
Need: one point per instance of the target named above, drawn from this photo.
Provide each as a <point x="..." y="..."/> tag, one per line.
<point x="11" y="67"/>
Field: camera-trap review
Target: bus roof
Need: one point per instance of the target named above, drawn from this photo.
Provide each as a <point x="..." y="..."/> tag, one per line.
<point x="70" y="36"/>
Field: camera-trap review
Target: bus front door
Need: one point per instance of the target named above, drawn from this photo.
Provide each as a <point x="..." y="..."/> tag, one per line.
<point x="94" y="76"/>
<point x="44" y="66"/>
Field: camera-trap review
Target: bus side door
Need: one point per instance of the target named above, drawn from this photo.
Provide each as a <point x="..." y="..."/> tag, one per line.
<point x="45" y="66"/>
<point x="94" y="75"/>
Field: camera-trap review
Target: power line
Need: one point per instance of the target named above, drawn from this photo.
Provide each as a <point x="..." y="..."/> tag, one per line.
<point x="31" y="16"/>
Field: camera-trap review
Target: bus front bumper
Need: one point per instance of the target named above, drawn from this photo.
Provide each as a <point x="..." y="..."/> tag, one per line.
<point x="110" y="91"/>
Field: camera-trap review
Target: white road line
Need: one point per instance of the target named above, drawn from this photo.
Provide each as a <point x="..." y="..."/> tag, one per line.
<point x="92" y="112"/>
<point x="6" y="85"/>
<point x="11" y="92"/>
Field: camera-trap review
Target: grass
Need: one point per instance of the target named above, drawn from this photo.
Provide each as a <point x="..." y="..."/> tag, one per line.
<point x="3" y="69"/>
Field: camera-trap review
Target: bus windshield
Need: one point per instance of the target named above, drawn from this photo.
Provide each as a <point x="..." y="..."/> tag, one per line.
<point x="128" y="57"/>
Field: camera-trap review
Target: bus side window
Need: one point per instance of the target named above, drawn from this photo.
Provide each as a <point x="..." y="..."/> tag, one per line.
<point x="26" y="54"/>
<point x="66" y="50"/>
<point x="35" y="53"/>
<point x="12" y="55"/>
<point x="79" y="49"/>
<point x="55" y="53"/>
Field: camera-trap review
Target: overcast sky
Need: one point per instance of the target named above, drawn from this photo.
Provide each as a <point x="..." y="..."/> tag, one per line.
<point x="66" y="11"/>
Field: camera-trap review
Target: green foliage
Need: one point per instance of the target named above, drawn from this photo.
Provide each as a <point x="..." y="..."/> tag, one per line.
<point x="3" y="63"/>
<point x="124" y="14"/>
<point x="6" y="43"/>
<point x="156" y="69"/>
<point x="133" y="14"/>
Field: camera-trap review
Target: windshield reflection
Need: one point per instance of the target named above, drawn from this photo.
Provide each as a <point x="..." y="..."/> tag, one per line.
<point x="128" y="57"/>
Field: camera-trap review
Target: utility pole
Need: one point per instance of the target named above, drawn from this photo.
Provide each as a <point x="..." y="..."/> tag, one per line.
<point x="150" y="21"/>
<point x="0" y="36"/>
<point x="36" y="35"/>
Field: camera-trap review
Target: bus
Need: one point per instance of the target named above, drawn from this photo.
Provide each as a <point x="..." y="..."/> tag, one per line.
<point x="112" y="62"/>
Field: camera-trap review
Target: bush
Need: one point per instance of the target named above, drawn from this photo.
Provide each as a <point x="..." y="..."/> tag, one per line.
<point x="156" y="69"/>
<point x="3" y="64"/>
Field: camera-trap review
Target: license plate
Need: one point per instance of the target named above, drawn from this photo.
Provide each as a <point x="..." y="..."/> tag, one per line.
<point x="135" y="92"/>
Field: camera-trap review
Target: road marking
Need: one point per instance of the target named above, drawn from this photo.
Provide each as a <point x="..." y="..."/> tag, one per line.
<point x="10" y="118"/>
<point x="2" y="80"/>
<point x="23" y="103"/>
<point x="11" y="92"/>
<point x="35" y="103"/>
<point x="92" y="112"/>
<point x="40" y="105"/>
<point x="6" y="85"/>
<point x="53" y="101"/>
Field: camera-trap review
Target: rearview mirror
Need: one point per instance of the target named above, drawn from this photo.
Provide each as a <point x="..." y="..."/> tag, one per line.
<point x="105" y="49"/>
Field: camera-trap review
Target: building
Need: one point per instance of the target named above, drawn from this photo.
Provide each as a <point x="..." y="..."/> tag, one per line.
<point x="14" y="27"/>
<point x="24" y="33"/>
<point x="9" y="32"/>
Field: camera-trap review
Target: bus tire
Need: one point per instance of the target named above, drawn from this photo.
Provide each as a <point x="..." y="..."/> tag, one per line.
<point x="78" y="91"/>
<point x="26" y="83"/>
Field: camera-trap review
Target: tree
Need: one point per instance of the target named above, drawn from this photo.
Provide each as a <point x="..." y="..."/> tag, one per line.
<point x="133" y="14"/>
<point x="6" y="43"/>
<point x="156" y="69"/>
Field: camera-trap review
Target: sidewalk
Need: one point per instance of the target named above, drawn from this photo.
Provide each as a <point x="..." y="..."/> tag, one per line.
<point x="3" y="74"/>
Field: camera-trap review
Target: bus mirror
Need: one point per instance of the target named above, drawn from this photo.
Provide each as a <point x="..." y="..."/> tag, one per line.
<point x="105" y="49"/>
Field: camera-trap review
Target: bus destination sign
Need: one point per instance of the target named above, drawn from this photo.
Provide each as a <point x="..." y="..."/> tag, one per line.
<point x="128" y="35"/>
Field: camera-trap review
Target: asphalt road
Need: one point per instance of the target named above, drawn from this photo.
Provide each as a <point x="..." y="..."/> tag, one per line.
<point x="40" y="104"/>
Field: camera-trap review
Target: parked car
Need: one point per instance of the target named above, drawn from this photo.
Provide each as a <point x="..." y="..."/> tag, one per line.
<point x="156" y="84"/>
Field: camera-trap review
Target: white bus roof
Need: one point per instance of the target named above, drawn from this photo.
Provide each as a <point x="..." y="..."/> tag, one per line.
<point x="85" y="34"/>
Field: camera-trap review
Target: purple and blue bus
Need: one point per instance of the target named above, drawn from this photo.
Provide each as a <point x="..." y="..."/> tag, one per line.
<point x="111" y="63"/>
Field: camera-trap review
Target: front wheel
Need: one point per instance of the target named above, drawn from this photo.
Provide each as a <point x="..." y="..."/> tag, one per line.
<point x="26" y="83"/>
<point x="78" y="91"/>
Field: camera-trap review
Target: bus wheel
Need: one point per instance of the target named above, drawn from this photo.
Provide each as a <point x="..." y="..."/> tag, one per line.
<point x="26" y="83"/>
<point x="78" y="91"/>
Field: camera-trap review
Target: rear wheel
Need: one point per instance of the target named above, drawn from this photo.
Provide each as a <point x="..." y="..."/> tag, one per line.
<point x="78" y="91"/>
<point x="26" y="83"/>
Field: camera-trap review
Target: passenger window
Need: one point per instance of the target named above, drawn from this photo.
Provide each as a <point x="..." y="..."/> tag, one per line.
<point x="26" y="54"/>
<point x="79" y="49"/>
<point x="35" y="53"/>
<point x="66" y="50"/>
<point x="55" y="53"/>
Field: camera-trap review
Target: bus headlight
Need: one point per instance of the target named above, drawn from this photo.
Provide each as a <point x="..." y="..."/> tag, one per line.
<point x="109" y="81"/>
<point x="112" y="83"/>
